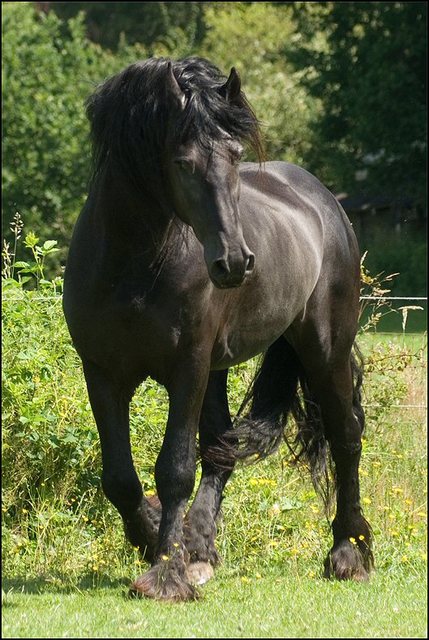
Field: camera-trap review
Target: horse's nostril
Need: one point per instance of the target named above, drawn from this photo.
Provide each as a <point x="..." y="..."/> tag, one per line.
<point x="229" y="273"/>
<point x="220" y="268"/>
<point x="250" y="263"/>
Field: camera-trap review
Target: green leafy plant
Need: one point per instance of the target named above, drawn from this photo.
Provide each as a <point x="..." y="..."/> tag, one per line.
<point x="17" y="273"/>
<point x="49" y="69"/>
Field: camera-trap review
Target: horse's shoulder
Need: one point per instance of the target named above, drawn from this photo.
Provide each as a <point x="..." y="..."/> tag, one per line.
<point x="290" y="183"/>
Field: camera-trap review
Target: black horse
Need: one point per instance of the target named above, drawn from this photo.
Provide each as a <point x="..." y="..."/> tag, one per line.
<point x="184" y="262"/>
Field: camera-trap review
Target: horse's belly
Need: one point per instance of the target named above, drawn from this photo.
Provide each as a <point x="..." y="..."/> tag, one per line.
<point x="252" y="331"/>
<point x="227" y="353"/>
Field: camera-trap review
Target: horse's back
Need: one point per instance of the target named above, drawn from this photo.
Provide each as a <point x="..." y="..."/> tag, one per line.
<point x="294" y="186"/>
<point x="299" y="200"/>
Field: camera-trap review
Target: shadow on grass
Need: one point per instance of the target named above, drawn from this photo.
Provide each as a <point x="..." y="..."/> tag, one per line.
<point x="61" y="584"/>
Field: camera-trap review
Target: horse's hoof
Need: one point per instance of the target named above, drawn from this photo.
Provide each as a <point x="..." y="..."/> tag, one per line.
<point x="161" y="584"/>
<point x="199" y="572"/>
<point x="347" y="562"/>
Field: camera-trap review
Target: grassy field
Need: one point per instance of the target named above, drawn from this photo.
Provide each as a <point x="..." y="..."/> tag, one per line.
<point x="66" y="567"/>
<point x="391" y="321"/>
<point x="282" y="604"/>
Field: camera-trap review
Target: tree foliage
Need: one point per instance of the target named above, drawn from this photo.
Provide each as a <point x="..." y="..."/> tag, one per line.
<point x="45" y="77"/>
<point x="49" y="68"/>
<point x="146" y="23"/>
<point x="367" y="62"/>
<point x="340" y="88"/>
<point x="238" y="35"/>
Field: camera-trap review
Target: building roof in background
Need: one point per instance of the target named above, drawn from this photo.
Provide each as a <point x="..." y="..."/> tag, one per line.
<point x="361" y="202"/>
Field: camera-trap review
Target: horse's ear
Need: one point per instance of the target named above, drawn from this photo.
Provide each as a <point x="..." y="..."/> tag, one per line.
<point x="173" y="86"/>
<point x="231" y="89"/>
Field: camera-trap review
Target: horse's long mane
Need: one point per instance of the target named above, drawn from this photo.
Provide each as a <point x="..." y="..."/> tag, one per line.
<point x="135" y="121"/>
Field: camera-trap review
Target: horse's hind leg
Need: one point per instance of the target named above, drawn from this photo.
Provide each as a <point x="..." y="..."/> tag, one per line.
<point x="200" y="524"/>
<point x="110" y="405"/>
<point x="331" y="384"/>
<point x="350" y="556"/>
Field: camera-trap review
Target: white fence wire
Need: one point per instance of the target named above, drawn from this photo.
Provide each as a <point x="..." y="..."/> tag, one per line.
<point x="390" y="298"/>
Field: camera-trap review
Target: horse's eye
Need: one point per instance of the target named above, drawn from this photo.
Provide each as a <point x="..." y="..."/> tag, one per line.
<point x="184" y="165"/>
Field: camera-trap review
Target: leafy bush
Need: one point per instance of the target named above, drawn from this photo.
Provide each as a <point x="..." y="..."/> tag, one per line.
<point x="237" y="35"/>
<point x="49" y="68"/>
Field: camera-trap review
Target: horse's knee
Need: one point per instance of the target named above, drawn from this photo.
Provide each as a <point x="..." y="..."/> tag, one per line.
<point x="123" y="489"/>
<point x="174" y="483"/>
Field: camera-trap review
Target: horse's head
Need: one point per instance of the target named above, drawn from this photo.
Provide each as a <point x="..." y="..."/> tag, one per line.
<point x="172" y="131"/>
<point x="204" y="176"/>
<point x="206" y="189"/>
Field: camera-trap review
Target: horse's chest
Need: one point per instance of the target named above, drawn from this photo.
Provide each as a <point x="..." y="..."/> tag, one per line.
<point x="127" y="333"/>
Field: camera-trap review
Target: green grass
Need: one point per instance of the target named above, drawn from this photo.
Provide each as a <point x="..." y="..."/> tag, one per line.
<point x="281" y="604"/>
<point x="392" y="318"/>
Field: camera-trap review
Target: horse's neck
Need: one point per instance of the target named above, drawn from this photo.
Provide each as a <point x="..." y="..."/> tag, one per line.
<point x="131" y="220"/>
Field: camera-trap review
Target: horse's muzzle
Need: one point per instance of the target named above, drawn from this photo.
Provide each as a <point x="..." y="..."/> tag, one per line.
<point x="227" y="274"/>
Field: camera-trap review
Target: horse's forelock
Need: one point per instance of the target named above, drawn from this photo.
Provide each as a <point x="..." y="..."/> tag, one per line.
<point x="208" y="115"/>
<point x="132" y="112"/>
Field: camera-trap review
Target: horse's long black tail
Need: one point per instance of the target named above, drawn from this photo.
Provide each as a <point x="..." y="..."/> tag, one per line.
<point x="261" y="420"/>
<point x="280" y="389"/>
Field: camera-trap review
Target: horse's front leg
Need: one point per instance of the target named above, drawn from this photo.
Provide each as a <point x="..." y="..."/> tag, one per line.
<point x="110" y="401"/>
<point x="175" y="478"/>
